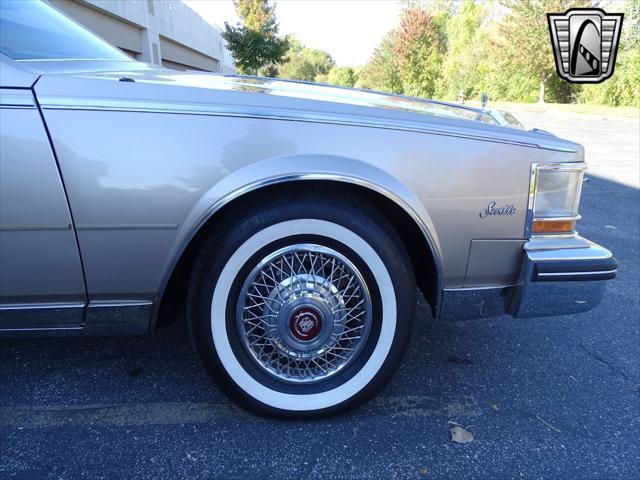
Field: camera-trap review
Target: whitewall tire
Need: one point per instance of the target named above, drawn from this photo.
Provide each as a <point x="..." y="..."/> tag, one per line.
<point x="303" y="307"/>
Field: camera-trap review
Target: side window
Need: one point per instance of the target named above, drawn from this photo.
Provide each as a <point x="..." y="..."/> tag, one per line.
<point x="36" y="31"/>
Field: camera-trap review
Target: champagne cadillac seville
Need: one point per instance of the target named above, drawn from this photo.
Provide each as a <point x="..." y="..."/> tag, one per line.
<point x="291" y="221"/>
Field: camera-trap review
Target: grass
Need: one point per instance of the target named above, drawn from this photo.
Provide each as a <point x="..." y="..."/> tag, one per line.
<point x="603" y="110"/>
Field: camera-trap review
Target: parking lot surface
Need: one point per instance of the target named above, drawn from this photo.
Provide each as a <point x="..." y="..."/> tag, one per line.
<point x="544" y="398"/>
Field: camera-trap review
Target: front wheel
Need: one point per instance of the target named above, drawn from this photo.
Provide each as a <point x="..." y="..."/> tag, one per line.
<point x="304" y="306"/>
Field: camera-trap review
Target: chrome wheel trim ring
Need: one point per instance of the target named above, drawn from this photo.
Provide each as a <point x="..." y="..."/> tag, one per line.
<point x="313" y="287"/>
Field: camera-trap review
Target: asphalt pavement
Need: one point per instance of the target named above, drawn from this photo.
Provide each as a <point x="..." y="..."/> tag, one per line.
<point x="544" y="398"/>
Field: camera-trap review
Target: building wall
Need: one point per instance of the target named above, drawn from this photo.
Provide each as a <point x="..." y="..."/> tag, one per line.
<point x="162" y="32"/>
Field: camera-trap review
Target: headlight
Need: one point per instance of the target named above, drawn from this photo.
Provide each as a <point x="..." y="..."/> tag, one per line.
<point x="555" y="196"/>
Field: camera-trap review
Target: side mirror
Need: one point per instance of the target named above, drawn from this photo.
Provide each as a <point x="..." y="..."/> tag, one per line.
<point x="484" y="99"/>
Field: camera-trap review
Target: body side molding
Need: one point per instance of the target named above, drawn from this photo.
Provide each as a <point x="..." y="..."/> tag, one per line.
<point x="120" y="317"/>
<point x="49" y="102"/>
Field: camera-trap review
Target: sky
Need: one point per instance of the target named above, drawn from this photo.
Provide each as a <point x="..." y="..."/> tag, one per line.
<point x="348" y="29"/>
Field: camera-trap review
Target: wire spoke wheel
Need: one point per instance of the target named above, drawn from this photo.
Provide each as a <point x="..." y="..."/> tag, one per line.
<point x="303" y="307"/>
<point x="304" y="313"/>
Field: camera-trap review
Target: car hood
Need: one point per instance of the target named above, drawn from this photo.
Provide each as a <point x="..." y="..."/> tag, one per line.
<point x="150" y="88"/>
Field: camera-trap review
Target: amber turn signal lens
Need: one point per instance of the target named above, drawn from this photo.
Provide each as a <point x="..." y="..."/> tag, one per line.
<point x="550" y="225"/>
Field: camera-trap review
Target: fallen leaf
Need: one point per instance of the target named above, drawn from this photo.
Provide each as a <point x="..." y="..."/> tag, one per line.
<point x="461" y="435"/>
<point x="424" y="471"/>
<point x="611" y="227"/>
<point x="495" y="407"/>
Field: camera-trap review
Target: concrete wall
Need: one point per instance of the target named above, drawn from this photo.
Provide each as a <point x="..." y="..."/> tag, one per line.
<point x="163" y="32"/>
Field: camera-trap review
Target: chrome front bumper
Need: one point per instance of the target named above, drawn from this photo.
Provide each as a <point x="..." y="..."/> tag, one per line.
<point x="559" y="276"/>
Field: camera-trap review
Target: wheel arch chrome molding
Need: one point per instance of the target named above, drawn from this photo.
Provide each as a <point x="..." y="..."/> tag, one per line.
<point x="252" y="187"/>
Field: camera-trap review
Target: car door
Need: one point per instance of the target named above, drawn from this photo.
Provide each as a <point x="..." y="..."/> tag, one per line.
<point x="41" y="277"/>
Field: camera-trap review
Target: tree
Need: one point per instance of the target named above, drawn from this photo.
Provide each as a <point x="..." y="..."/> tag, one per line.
<point x="465" y="62"/>
<point x="343" y="76"/>
<point x="622" y="88"/>
<point x="257" y="15"/>
<point x="254" y="43"/>
<point x="381" y="71"/>
<point x="305" y="63"/>
<point x="523" y="41"/>
<point x="419" y="48"/>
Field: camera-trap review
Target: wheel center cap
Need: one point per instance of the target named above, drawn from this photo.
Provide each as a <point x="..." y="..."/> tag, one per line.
<point x="305" y="323"/>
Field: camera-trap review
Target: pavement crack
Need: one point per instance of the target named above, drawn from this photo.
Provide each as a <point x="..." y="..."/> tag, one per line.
<point x="613" y="367"/>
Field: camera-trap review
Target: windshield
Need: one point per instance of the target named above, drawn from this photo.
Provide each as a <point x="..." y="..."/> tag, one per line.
<point x="32" y="30"/>
<point x="511" y="120"/>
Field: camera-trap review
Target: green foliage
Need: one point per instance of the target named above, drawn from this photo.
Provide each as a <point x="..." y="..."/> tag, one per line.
<point x="254" y="43"/>
<point x="305" y="63"/>
<point x="251" y="49"/>
<point x="623" y="87"/>
<point x="500" y="47"/>
<point x="381" y="72"/>
<point x="409" y="58"/>
<point x="523" y="40"/>
<point x="419" y="50"/>
<point x="257" y="15"/>
<point x="465" y="63"/>
<point x="343" y="76"/>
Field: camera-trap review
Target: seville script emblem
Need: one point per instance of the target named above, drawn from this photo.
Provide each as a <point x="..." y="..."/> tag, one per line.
<point x="491" y="209"/>
<point x="585" y="43"/>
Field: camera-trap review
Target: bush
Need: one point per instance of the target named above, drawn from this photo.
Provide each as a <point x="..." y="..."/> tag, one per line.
<point x="622" y="88"/>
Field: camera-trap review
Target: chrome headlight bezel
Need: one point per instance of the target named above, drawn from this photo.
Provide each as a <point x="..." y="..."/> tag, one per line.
<point x="542" y="173"/>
